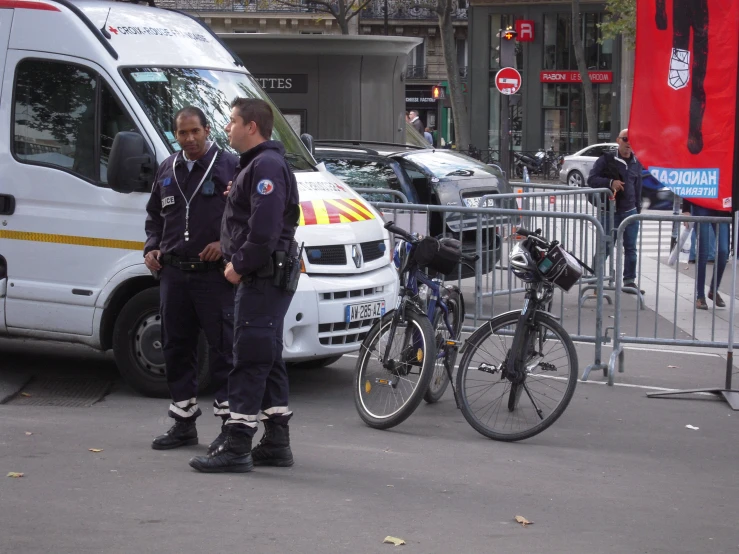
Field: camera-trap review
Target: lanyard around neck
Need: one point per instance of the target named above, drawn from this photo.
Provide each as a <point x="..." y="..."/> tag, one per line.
<point x="200" y="184"/>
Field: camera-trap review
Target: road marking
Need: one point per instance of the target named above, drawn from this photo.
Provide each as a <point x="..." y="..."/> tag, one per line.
<point x="623" y="385"/>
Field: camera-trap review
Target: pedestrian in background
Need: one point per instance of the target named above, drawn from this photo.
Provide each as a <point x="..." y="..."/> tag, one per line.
<point x="416" y="121"/>
<point x="428" y="136"/>
<point x="621" y="173"/>
<point x="258" y="235"/>
<point x="721" y="231"/>
<point x="183" y="250"/>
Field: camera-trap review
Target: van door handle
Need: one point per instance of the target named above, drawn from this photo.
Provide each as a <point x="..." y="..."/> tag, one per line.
<point x="7" y="204"/>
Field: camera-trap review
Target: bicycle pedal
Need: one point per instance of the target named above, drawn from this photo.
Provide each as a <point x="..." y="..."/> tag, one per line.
<point x="450" y="342"/>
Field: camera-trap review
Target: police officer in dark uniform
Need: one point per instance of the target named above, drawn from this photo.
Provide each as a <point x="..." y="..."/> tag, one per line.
<point x="183" y="248"/>
<point x="257" y="234"/>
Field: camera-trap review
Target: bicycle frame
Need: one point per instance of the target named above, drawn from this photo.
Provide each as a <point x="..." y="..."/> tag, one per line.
<point x="410" y="291"/>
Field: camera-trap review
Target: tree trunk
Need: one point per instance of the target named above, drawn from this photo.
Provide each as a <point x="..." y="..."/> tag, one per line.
<point x="587" y="86"/>
<point x="458" y="100"/>
<point x="341" y="18"/>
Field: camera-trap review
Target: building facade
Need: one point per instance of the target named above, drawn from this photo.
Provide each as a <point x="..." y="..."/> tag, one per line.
<point x="426" y="65"/>
<point x="548" y="111"/>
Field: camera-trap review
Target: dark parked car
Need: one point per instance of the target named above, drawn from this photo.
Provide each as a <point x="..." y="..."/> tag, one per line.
<point x="424" y="176"/>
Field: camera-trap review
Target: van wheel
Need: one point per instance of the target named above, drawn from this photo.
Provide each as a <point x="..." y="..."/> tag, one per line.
<point x="137" y="347"/>
<point x="317" y="363"/>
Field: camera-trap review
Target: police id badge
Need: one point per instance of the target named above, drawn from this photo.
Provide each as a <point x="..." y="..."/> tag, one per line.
<point x="209" y="188"/>
<point x="167" y="201"/>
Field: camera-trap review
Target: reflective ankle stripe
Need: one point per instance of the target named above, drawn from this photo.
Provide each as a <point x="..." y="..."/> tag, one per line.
<point x="275" y="411"/>
<point x="243" y="419"/>
<point x="184" y="408"/>
<point x="220" y="408"/>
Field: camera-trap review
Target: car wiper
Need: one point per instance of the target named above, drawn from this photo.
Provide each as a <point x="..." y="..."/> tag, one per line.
<point x="461" y="173"/>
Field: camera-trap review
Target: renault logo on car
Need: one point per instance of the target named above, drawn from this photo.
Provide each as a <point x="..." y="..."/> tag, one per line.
<point x="357" y="255"/>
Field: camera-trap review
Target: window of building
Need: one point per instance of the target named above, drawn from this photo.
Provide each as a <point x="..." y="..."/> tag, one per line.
<point x="565" y="124"/>
<point x="462" y="55"/>
<point x="558" y="51"/>
<point x="417" y="56"/>
<point x="55" y="121"/>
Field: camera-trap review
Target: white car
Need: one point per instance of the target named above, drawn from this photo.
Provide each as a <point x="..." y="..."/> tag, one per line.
<point x="576" y="168"/>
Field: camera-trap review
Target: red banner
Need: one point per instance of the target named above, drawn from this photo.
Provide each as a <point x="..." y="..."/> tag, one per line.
<point x="683" y="110"/>
<point x="574" y="77"/>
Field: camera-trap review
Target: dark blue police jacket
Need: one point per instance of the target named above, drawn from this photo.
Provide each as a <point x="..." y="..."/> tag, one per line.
<point x="165" y="222"/>
<point x="262" y="210"/>
<point x="612" y="166"/>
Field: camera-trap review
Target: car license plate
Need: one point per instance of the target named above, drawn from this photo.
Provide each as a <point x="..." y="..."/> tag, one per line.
<point x="367" y="310"/>
<point x="474" y="202"/>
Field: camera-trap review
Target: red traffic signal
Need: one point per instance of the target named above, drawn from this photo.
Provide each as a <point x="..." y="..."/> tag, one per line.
<point x="437" y="92"/>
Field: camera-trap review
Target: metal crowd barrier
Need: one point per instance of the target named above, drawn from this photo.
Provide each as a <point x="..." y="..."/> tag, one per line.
<point x="577" y="219"/>
<point x="491" y="233"/>
<point x="674" y="321"/>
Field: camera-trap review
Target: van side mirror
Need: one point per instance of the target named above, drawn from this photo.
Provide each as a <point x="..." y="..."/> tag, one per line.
<point x="130" y="164"/>
<point x="308" y="141"/>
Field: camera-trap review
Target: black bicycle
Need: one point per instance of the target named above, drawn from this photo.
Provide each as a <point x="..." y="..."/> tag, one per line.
<point x="519" y="371"/>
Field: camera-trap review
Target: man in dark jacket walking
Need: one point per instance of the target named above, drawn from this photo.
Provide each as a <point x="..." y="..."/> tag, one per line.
<point x="621" y="172"/>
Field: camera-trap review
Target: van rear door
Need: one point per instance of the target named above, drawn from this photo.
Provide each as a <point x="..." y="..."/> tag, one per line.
<point x="6" y="201"/>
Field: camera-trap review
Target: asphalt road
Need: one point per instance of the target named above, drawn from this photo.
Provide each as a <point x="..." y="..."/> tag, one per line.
<point x="618" y="473"/>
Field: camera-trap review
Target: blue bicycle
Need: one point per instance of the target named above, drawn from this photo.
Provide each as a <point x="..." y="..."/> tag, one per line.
<point x="410" y="353"/>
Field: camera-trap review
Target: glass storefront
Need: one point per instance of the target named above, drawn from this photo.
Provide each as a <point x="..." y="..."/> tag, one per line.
<point x="565" y="128"/>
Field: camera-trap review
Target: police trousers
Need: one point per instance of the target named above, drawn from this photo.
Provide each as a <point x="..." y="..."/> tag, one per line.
<point x="191" y="302"/>
<point x="258" y="386"/>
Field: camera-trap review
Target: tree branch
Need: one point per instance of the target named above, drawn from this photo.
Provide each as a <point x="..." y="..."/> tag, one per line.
<point x="363" y="4"/>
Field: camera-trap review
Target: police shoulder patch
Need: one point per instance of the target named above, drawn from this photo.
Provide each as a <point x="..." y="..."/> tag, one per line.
<point x="265" y="187"/>
<point x="166" y="182"/>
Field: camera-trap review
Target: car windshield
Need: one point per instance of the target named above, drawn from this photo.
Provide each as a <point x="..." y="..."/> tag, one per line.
<point x="163" y="91"/>
<point x="442" y="164"/>
<point x="365" y="174"/>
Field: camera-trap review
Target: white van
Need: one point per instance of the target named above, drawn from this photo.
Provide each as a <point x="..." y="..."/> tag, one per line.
<point x="73" y="74"/>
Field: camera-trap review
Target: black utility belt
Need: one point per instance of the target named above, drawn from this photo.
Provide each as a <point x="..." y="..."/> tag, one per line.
<point x="190" y="264"/>
<point x="283" y="271"/>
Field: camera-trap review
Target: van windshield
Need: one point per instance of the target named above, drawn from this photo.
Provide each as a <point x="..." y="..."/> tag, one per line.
<point x="162" y="91"/>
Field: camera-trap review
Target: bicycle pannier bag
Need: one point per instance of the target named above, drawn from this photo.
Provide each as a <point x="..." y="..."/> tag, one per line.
<point x="441" y="256"/>
<point x="561" y="268"/>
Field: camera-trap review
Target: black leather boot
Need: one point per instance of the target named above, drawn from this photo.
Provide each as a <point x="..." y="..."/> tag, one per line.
<point x="274" y="448"/>
<point x="233" y="456"/>
<point x="220" y="439"/>
<point x="182" y="433"/>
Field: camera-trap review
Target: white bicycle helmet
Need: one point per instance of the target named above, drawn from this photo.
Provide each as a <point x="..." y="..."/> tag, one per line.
<point x="522" y="263"/>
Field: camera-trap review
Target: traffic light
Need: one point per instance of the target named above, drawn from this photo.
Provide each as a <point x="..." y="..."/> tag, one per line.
<point x="507" y="47"/>
<point x="438" y="92"/>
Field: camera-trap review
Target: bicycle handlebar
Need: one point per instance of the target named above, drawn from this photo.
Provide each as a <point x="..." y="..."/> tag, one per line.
<point x="390" y="226"/>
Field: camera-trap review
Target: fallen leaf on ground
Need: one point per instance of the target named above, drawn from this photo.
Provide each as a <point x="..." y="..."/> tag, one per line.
<point x="29" y="433"/>
<point x="523" y="521"/>
<point x="95" y="449"/>
<point x="673" y="367"/>
<point x="15" y="474"/>
<point x="393" y="540"/>
<point x="692" y="427"/>
<point x="26" y="394"/>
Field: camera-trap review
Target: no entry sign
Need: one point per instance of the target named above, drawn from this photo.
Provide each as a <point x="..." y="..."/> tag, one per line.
<point x="508" y="80"/>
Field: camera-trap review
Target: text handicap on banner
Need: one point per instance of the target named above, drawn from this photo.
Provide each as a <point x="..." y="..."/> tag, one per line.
<point x="683" y="114"/>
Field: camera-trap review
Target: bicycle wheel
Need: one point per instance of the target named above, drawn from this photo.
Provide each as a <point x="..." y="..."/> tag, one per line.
<point x="506" y="412"/>
<point x="440" y="379"/>
<point x="386" y="395"/>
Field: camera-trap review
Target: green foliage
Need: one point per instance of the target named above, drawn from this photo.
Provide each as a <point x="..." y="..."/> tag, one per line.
<point x="621" y="21"/>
